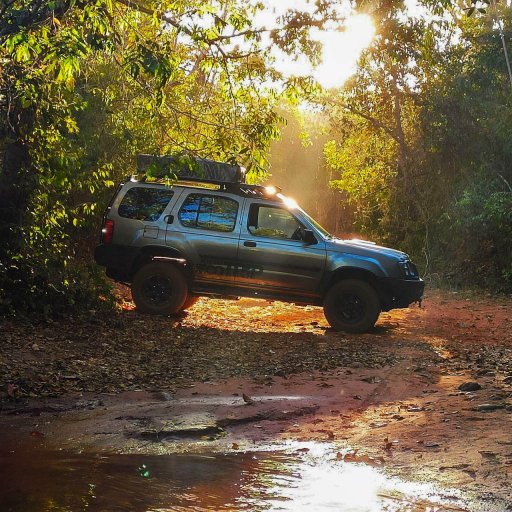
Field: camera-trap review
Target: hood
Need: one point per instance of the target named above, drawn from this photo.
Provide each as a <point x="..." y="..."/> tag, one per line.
<point x="363" y="248"/>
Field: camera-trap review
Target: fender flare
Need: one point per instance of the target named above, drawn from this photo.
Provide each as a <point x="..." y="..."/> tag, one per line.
<point x="159" y="253"/>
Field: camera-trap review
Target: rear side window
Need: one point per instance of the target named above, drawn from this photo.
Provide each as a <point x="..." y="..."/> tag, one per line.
<point x="215" y="213"/>
<point x="144" y="203"/>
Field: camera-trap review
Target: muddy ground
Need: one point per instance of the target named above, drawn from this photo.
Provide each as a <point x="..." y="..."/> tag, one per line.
<point x="229" y="376"/>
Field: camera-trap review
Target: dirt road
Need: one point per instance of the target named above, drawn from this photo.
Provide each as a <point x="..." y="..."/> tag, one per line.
<point x="230" y="376"/>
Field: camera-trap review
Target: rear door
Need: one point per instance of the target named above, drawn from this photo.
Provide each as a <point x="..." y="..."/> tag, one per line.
<point x="205" y="227"/>
<point x="138" y="214"/>
<point x="272" y="254"/>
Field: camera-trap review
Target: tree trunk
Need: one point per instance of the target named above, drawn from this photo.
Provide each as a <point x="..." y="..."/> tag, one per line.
<point x="400" y="137"/>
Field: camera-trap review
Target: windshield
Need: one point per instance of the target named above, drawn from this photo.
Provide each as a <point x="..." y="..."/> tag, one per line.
<point x="322" y="230"/>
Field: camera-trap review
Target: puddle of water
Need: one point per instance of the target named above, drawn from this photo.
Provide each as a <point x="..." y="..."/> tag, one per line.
<point x="297" y="477"/>
<point x="232" y="400"/>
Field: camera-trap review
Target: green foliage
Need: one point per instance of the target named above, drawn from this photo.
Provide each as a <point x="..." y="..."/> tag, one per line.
<point x="365" y="166"/>
<point x="479" y="228"/>
<point x="421" y="142"/>
<point x="36" y="292"/>
<point x="420" y="138"/>
<point x="85" y="86"/>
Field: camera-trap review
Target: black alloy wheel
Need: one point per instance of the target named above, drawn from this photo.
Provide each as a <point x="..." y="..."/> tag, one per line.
<point x="352" y="305"/>
<point x="159" y="288"/>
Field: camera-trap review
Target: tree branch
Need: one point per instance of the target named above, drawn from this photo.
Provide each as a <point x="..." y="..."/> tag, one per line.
<point x="374" y="122"/>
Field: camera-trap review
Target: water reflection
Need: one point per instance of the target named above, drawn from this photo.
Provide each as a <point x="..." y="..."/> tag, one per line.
<point x="323" y="480"/>
<point x="294" y="477"/>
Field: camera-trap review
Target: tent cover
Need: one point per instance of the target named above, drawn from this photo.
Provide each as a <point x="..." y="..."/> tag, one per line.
<point x="187" y="167"/>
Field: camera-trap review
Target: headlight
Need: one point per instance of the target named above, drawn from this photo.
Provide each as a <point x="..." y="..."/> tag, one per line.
<point x="408" y="268"/>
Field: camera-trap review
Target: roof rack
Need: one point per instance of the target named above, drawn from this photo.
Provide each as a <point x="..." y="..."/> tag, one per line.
<point x="253" y="190"/>
<point x="242" y="189"/>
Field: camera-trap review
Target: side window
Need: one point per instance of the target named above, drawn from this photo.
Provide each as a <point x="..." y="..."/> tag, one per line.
<point x="273" y="222"/>
<point x="214" y="213"/>
<point x="144" y="203"/>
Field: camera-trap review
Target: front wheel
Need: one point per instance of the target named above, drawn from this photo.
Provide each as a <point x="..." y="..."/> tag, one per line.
<point x="159" y="289"/>
<point x="352" y="305"/>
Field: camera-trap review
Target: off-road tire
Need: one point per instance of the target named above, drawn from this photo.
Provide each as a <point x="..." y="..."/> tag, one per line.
<point x="189" y="302"/>
<point x="159" y="288"/>
<point x="352" y="305"/>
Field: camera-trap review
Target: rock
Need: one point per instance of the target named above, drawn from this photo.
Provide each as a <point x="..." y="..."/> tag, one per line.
<point x="371" y="380"/>
<point x="89" y="404"/>
<point x="487" y="454"/>
<point x="455" y="466"/>
<point x="488" y="407"/>
<point x="507" y="380"/>
<point x="485" y="373"/>
<point x="379" y="424"/>
<point x="470" y="386"/>
<point x="164" y="396"/>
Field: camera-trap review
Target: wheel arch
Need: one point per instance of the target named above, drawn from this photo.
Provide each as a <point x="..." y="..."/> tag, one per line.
<point x="367" y="276"/>
<point x="158" y="253"/>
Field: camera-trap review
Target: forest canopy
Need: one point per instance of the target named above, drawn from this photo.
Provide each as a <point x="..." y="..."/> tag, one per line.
<point x="416" y="142"/>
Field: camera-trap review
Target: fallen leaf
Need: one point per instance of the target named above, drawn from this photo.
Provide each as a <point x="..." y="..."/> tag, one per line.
<point x="247" y="399"/>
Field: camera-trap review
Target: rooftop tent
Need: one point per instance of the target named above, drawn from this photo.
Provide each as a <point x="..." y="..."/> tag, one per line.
<point x="187" y="167"/>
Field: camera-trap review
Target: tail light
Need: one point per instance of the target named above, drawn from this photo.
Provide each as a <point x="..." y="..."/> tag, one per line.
<point x="108" y="231"/>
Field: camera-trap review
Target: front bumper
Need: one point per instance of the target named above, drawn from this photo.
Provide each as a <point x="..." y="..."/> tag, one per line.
<point x="400" y="293"/>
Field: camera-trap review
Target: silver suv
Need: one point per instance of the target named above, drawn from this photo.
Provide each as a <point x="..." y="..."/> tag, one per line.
<point x="205" y="237"/>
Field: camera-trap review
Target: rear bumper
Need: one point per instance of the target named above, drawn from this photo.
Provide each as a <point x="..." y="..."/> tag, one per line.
<point x="118" y="260"/>
<point x="400" y="293"/>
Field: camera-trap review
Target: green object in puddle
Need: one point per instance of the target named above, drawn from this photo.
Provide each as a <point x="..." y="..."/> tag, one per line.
<point x="144" y="471"/>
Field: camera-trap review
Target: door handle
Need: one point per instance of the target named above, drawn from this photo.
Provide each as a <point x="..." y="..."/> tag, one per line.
<point x="248" y="243"/>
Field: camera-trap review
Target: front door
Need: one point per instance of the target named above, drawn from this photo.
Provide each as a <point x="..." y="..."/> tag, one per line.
<point x="272" y="254"/>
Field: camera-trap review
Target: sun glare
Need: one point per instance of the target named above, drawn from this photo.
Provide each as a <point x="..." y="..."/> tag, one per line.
<point x="341" y="50"/>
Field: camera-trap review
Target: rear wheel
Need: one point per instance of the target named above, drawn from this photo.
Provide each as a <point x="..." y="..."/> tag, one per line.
<point x="189" y="302"/>
<point x="159" y="289"/>
<point x="352" y="305"/>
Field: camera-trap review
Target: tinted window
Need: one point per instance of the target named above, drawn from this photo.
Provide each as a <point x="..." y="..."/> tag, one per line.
<point x="189" y="211"/>
<point x="214" y="213"/>
<point x="273" y="222"/>
<point x="144" y="203"/>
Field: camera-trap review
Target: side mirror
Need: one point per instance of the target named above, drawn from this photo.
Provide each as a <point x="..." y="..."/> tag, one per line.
<point x="169" y="219"/>
<point x="309" y="237"/>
